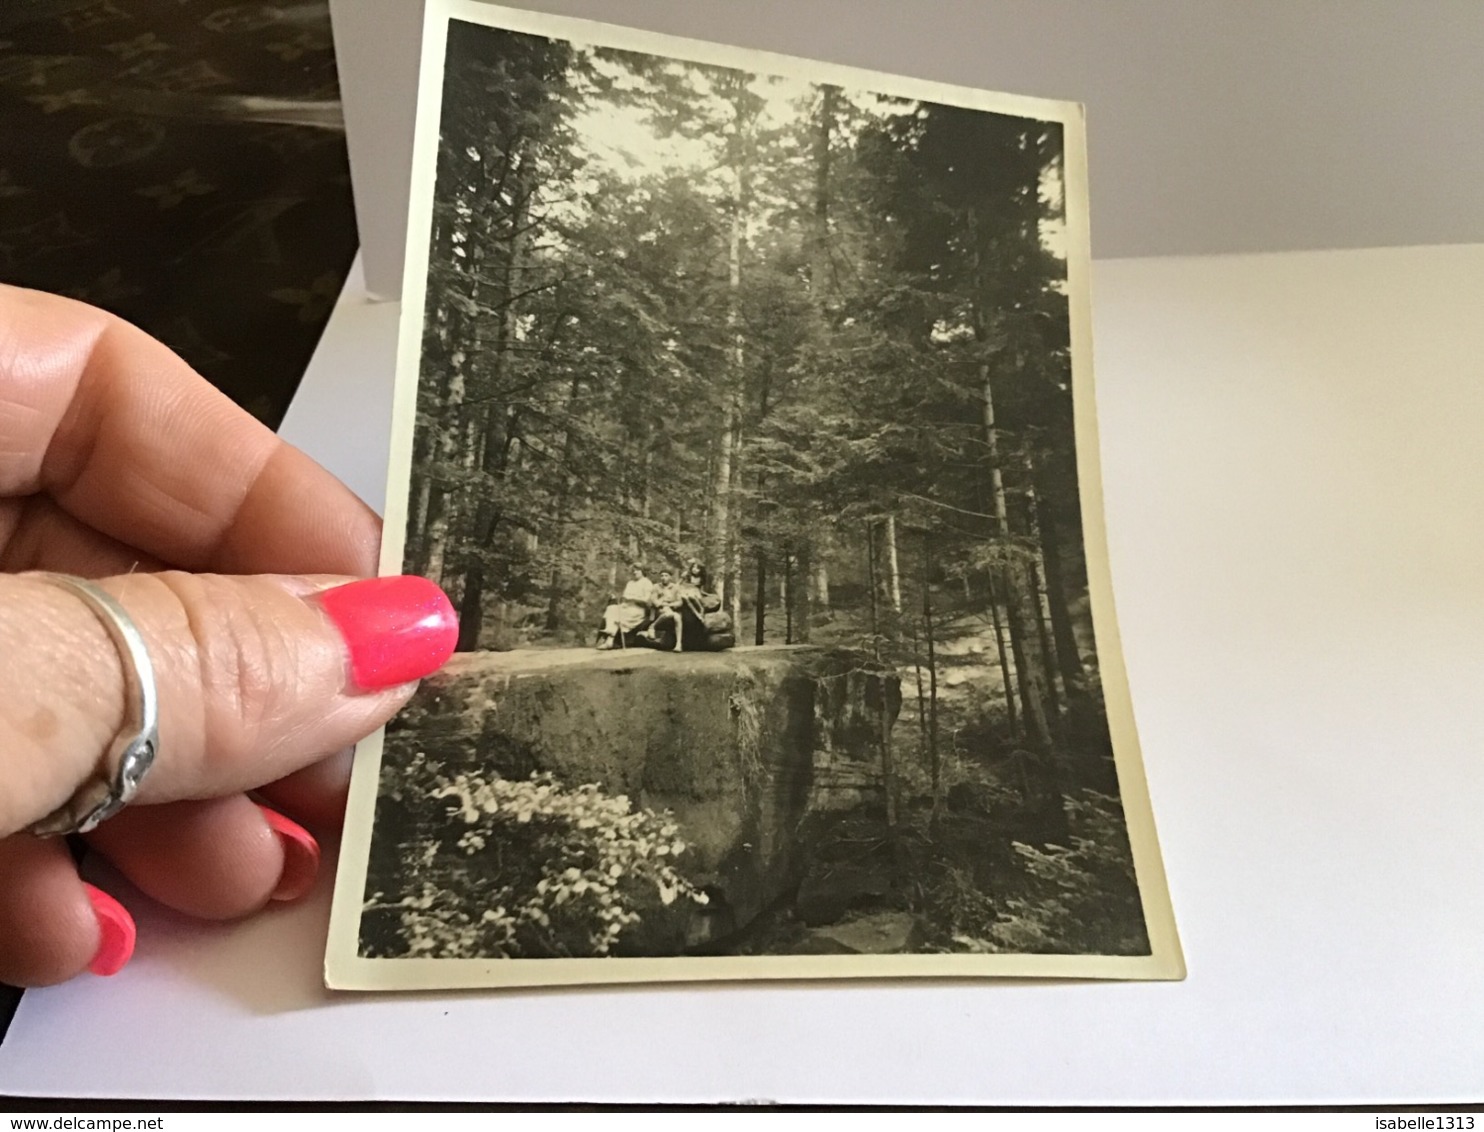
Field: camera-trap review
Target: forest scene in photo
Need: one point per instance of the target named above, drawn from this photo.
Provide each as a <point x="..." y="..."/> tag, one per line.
<point x="744" y="448"/>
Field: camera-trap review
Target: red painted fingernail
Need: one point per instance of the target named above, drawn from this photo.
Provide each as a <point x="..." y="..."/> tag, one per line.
<point x="396" y="629"/>
<point x="116" y="933"/>
<point x="300" y="856"/>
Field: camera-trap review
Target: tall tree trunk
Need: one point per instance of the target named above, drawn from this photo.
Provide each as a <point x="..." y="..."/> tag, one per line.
<point x="436" y="539"/>
<point x="448" y="507"/>
<point x="1043" y="638"/>
<point x="426" y="442"/>
<point x="417" y="513"/>
<point x="471" y="609"/>
<point x="809" y="584"/>
<point x="741" y="142"/>
<point x="493" y="443"/>
<point x="415" y="548"/>
<point x="721" y="499"/>
<point x="1038" y="730"/>
<point x="727" y="519"/>
<point x="1012" y="577"/>
<point x="443" y="452"/>
<point x="1040" y="579"/>
<point x="1012" y="713"/>
<point x="888" y="767"/>
<point x="708" y="506"/>
<point x="935" y="763"/>
<point x="922" y="722"/>
<point x="992" y="452"/>
<point x="760" y="610"/>
<point x="734" y="535"/>
<point x="803" y="588"/>
<point x="819" y="235"/>
<point x="564" y="495"/>
<point x="759" y="613"/>
<point x="645" y="548"/>
<point x="893" y="569"/>
<point x="786" y="598"/>
<point x="1068" y="654"/>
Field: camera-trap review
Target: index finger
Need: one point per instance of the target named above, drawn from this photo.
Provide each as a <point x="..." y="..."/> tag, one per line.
<point x="126" y="437"/>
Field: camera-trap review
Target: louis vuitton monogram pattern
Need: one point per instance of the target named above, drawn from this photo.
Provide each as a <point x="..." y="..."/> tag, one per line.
<point x="179" y="162"/>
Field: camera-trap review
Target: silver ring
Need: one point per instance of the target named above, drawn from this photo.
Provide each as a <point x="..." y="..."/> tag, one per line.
<point x="132" y="752"/>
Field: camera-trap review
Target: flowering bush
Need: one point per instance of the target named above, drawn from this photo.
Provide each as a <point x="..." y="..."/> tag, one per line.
<point x="529" y="869"/>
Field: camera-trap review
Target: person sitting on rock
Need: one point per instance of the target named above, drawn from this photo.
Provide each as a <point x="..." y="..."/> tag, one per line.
<point x="701" y="618"/>
<point x="666" y="599"/>
<point x="695" y="586"/>
<point x="631" y="612"/>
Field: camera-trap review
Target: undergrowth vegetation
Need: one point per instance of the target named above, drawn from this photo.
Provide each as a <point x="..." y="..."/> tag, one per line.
<point x="533" y="869"/>
<point x="1079" y="898"/>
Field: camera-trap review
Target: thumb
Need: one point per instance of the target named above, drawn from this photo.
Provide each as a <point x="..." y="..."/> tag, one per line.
<point x="257" y="677"/>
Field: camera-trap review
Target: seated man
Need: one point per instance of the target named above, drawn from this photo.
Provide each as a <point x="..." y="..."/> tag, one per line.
<point x="631" y="612"/>
<point x="666" y="599"/>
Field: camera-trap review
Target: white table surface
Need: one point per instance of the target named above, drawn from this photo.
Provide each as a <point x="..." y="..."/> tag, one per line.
<point x="1295" y="491"/>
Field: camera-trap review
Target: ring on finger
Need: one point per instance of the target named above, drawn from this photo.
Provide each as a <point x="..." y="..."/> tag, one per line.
<point x="132" y="751"/>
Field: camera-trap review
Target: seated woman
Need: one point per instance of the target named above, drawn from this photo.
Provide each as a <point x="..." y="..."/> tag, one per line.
<point x="702" y="624"/>
<point x="631" y="612"/>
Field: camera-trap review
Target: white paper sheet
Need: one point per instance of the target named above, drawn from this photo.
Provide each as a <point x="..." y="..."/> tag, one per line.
<point x="1294" y="481"/>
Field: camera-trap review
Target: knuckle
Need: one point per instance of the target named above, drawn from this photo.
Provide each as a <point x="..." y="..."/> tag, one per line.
<point x="243" y="660"/>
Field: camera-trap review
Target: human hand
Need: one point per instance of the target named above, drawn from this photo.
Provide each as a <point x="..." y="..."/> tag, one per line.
<point x="237" y="557"/>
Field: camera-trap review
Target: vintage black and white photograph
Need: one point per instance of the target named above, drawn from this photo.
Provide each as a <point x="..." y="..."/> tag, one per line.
<point x="744" y="418"/>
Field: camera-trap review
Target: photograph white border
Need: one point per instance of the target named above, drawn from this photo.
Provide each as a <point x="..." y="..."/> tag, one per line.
<point x="346" y="969"/>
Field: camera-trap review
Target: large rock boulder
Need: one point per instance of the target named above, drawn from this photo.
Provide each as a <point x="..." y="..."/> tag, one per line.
<point x="740" y="746"/>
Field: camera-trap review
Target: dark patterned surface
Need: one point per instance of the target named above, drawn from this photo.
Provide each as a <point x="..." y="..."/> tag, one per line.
<point x="181" y="163"/>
